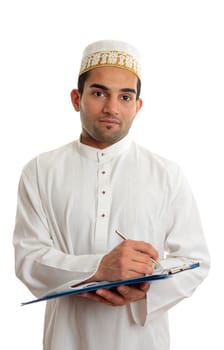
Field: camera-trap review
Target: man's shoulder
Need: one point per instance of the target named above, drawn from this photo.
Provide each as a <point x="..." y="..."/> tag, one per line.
<point x="51" y="159"/>
<point x="154" y="158"/>
<point x="57" y="153"/>
<point x="158" y="167"/>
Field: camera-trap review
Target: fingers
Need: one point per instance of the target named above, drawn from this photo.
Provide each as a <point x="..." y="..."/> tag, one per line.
<point x="111" y="297"/>
<point x="95" y="296"/>
<point x="143" y="247"/>
<point x="122" y="295"/>
<point x="134" y="292"/>
<point x="128" y="259"/>
<point x="138" y="269"/>
<point x="144" y="286"/>
<point x="135" y="257"/>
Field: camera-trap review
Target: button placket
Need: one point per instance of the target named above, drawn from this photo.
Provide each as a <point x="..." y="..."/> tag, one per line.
<point x="103" y="193"/>
<point x="103" y="208"/>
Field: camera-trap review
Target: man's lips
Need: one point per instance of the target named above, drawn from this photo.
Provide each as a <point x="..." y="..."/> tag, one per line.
<point x="109" y="121"/>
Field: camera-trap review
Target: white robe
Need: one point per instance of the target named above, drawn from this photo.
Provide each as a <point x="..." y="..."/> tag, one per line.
<point x="70" y="202"/>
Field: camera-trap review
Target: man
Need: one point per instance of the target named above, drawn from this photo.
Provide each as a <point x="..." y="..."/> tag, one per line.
<point x="72" y="200"/>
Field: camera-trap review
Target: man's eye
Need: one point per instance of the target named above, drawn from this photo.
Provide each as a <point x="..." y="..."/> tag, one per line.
<point x="98" y="93"/>
<point x="126" y="98"/>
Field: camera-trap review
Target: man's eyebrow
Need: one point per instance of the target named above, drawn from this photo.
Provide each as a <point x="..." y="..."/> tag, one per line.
<point x="103" y="87"/>
<point x="133" y="91"/>
<point x="99" y="86"/>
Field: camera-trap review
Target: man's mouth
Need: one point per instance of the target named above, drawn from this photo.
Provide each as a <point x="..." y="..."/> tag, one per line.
<point x="110" y="121"/>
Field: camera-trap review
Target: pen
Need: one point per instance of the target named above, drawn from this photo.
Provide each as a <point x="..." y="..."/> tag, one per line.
<point x="123" y="236"/>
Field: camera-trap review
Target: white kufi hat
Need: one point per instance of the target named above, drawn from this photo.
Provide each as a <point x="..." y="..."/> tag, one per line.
<point x="111" y="53"/>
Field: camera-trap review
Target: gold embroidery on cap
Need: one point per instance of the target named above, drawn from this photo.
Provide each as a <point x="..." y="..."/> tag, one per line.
<point x="110" y="58"/>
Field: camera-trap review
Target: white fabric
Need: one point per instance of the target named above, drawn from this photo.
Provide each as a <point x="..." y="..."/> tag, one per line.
<point x="111" y="53"/>
<point x="111" y="45"/>
<point x="70" y="202"/>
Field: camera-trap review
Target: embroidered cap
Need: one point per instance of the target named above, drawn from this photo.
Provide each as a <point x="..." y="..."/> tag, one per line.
<point x="111" y="53"/>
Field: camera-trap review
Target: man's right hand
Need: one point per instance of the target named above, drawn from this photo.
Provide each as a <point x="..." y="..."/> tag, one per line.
<point x="127" y="260"/>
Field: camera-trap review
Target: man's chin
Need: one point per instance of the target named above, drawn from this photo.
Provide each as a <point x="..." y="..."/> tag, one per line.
<point x="110" y="139"/>
<point x="108" y="136"/>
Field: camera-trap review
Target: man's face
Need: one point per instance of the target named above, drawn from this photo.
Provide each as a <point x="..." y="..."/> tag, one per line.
<point x="107" y="106"/>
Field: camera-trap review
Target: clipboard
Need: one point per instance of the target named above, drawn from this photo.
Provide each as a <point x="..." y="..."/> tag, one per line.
<point x="159" y="274"/>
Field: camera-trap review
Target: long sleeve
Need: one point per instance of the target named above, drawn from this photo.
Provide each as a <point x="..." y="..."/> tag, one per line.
<point x="43" y="265"/>
<point x="184" y="242"/>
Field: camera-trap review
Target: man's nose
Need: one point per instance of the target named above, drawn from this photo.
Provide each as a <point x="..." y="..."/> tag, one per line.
<point x="111" y="106"/>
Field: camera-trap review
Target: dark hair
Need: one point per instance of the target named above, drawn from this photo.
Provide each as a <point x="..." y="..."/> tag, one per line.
<point x="84" y="76"/>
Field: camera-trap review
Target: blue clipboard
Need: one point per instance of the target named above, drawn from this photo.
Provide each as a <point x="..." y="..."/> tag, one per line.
<point x="160" y="274"/>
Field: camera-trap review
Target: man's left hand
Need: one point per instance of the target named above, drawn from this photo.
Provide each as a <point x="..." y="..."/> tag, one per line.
<point x="123" y="295"/>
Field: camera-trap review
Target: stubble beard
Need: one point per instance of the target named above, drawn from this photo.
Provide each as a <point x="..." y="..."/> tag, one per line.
<point x="107" y="134"/>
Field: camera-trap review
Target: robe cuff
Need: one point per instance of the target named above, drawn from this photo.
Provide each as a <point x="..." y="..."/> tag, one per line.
<point x="139" y="311"/>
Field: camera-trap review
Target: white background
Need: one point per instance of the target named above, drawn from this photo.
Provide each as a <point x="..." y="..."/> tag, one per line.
<point x="183" y="87"/>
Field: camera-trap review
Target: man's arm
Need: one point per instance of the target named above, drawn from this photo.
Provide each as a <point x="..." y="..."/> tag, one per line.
<point x="39" y="263"/>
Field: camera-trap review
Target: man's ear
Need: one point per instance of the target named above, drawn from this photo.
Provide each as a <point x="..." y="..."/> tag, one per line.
<point x="138" y="104"/>
<point x="75" y="97"/>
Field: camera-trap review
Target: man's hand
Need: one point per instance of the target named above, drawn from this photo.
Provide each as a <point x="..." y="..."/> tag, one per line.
<point x="123" y="295"/>
<point x="128" y="259"/>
